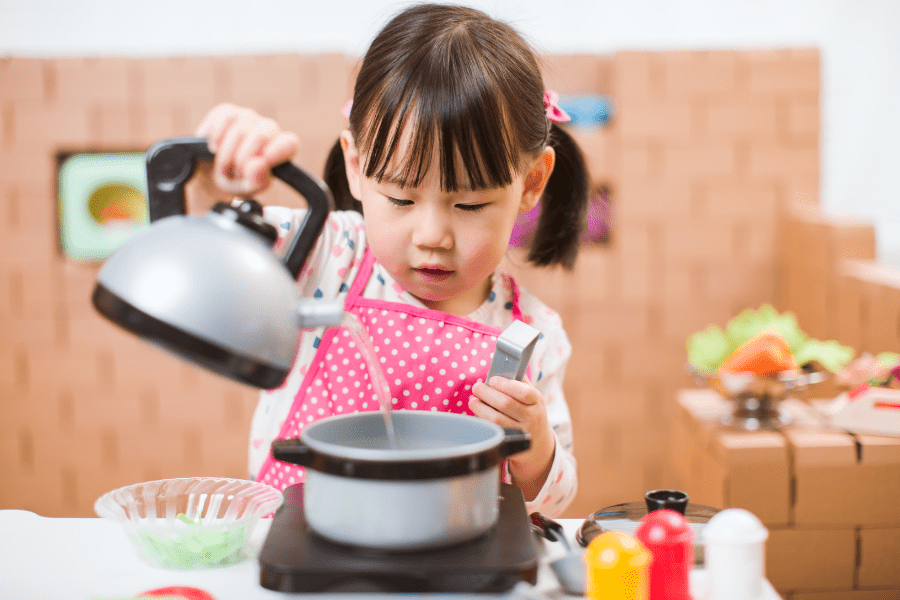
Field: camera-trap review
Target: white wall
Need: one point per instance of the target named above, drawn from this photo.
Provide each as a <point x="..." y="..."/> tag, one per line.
<point x="859" y="42"/>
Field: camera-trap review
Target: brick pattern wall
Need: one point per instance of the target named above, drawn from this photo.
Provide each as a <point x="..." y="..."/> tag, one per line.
<point x="705" y="153"/>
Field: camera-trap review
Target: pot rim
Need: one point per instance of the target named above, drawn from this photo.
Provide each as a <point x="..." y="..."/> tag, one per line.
<point x="400" y="455"/>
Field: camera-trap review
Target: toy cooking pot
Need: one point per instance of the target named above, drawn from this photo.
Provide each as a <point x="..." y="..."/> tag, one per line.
<point x="440" y="487"/>
<point x="209" y="288"/>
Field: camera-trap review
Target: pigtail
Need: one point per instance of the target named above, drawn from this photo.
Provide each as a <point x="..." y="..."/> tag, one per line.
<point x="336" y="178"/>
<point x="564" y="205"/>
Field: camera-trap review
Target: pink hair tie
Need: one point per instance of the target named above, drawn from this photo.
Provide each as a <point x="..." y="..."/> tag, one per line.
<point x="347" y="107"/>
<point x="554" y="113"/>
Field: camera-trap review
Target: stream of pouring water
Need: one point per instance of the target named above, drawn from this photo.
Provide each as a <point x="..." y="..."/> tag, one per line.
<point x="361" y="337"/>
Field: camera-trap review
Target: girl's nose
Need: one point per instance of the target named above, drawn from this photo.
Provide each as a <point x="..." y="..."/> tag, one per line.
<point x="433" y="230"/>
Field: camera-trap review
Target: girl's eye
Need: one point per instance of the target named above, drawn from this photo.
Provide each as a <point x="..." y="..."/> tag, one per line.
<point x="397" y="202"/>
<point x="471" y="207"/>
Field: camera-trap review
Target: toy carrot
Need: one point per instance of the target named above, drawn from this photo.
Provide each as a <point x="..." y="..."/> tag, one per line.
<point x="765" y="354"/>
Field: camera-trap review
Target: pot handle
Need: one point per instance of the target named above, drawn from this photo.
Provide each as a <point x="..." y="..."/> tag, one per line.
<point x="514" y="442"/>
<point x="292" y="451"/>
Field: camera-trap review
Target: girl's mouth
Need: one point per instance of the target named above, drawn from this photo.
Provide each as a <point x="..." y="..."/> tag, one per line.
<point x="434" y="273"/>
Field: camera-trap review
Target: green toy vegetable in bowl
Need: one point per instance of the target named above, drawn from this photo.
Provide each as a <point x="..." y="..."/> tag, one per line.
<point x="708" y="349"/>
<point x="192" y="522"/>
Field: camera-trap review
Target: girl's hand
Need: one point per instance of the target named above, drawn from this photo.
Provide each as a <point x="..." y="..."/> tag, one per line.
<point x="520" y="405"/>
<point x="246" y="146"/>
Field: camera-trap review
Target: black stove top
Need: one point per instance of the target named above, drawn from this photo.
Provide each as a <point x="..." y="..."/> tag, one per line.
<point x="294" y="559"/>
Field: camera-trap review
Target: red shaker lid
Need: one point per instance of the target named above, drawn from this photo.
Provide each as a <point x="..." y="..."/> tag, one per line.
<point x="664" y="527"/>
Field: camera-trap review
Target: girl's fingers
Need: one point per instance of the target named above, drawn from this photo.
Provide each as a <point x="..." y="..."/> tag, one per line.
<point x="260" y="133"/>
<point x="484" y="410"/>
<point x="216" y="122"/>
<point x="522" y="391"/>
<point x="281" y="148"/>
<point x="502" y="403"/>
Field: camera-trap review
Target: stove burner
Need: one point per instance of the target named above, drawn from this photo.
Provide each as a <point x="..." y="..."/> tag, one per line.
<point x="295" y="559"/>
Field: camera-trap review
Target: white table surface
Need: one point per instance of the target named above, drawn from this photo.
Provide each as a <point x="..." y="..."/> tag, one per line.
<point x="87" y="559"/>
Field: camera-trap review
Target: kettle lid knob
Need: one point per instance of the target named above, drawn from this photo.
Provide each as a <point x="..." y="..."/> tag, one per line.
<point x="249" y="214"/>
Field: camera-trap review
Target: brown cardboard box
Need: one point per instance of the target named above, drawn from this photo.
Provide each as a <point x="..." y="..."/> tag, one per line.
<point x="827" y="497"/>
<point x="811" y="558"/>
<point x="848" y="595"/>
<point x="836" y="484"/>
<point x="879" y="550"/>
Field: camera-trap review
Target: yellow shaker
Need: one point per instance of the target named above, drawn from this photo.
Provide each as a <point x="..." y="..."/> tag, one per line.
<point x="617" y="568"/>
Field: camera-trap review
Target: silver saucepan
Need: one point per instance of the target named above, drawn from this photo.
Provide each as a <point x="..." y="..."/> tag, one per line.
<point x="440" y="487"/>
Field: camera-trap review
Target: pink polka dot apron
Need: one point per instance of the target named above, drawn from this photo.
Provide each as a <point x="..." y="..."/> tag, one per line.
<point x="430" y="359"/>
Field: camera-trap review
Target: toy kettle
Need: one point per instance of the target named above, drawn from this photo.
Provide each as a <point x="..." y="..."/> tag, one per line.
<point x="209" y="288"/>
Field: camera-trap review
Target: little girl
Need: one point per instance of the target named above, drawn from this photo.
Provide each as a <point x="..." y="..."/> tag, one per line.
<point x="451" y="136"/>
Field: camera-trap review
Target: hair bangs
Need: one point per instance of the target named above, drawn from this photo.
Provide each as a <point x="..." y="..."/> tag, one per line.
<point x="450" y="113"/>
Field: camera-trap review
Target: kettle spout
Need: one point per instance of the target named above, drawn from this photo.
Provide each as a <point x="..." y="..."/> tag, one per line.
<point x="319" y="313"/>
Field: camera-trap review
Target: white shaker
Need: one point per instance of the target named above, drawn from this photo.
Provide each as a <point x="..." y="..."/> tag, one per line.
<point x="735" y="541"/>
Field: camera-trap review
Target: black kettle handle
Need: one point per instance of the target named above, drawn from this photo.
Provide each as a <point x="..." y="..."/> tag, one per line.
<point x="171" y="162"/>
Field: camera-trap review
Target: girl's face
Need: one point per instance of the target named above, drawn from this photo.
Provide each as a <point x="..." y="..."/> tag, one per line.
<point x="442" y="247"/>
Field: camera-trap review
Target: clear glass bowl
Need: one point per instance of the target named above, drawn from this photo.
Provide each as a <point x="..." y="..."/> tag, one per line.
<point x="190" y="523"/>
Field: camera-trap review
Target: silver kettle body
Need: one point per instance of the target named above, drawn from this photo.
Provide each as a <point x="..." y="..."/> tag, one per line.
<point x="209" y="288"/>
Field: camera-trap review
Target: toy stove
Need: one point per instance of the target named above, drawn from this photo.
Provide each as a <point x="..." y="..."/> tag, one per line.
<point x="295" y="559"/>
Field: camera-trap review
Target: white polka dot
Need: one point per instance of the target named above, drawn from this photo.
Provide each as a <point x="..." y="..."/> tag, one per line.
<point x="352" y="373"/>
<point x="346" y="332"/>
<point x="394" y="352"/>
<point x="409" y="327"/>
<point x="446" y="353"/>
<point x="340" y="378"/>
<point x="425" y="398"/>
<point x="430" y="379"/>
<point x="449" y="335"/>
<point x="446" y="402"/>
<point x="328" y="356"/>
<point x="484" y="344"/>
<point x="457" y="346"/>
<point x="422" y="321"/>
<point x="390" y="323"/>
<point x="421" y="367"/>
<point x="410" y="374"/>
<point x="334" y="367"/>
<point x="430" y="330"/>
<point x="426" y="349"/>
<point x="374" y="319"/>
<point x="414" y="404"/>
<point x="459" y="328"/>
<point x="449" y="383"/>
<point x="442" y="372"/>
<point x="390" y="370"/>
<point x="468" y="387"/>
<point x="465" y="358"/>
<point x="340" y="350"/>
<point x="355" y="384"/>
<point x="318" y="382"/>
<point x="484" y="363"/>
<point x="346" y="361"/>
<point x="418" y="386"/>
<point x="397" y="382"/>
<point x="402" y="363"/>
<point x="357" y="355"/>
<point x="437" y="342"/>
<point x="406" y="392"/>
<point x="434" y="359"/>
<point x="454" y="365"/>
<point x="418" y="338"/>
<point x="437" y="391"/>
<point x="321" y="411"/>
<point x="384" y="313"/>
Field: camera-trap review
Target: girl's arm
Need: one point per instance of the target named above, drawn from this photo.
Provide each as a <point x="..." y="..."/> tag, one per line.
<point x="546" y="473"/>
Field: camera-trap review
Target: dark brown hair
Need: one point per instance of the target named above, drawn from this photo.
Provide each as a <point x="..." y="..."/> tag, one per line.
<point x="471" y="87"/>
